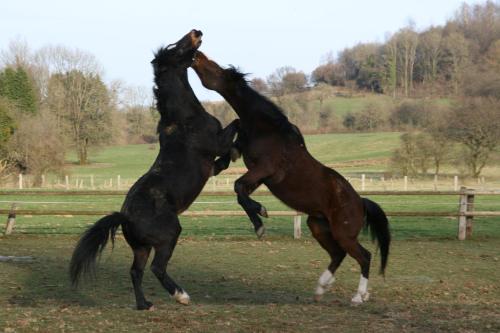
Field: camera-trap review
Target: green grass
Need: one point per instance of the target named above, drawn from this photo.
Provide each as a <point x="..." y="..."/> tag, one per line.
<point x="403" y="228"/>
<point x="243" y="285"/>
<point x="344" y="105"/>
<point x="131" y="161"/>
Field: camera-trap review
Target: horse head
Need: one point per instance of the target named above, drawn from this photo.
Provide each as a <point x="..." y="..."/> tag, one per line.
<point x="179" y="54"/>
<point x="212" y="76"/>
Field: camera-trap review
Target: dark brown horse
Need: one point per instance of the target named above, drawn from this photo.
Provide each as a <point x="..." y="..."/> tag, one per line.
<point x="190" y="139"/>
<point x="275" y="154"/>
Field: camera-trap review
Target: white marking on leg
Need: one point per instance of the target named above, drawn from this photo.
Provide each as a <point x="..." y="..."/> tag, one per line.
<point x="181" y="297"/>
<point x="324" y="282"/>
<point x="362" y="293"/>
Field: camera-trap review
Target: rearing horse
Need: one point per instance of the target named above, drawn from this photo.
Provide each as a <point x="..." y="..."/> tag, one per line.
<point x="190" y="139"/>
<point x="275" y="154"/>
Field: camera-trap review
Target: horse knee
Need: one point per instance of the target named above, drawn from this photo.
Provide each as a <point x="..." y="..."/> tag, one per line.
<point x="157" y="270"/>
<point x="136" y="273"/>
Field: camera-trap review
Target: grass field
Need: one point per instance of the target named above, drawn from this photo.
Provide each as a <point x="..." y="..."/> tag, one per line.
<point x="434" y="283"/>
<point x="131" y="161"/>
<point x="350" y="153"/>
<point x="238" y="284"/>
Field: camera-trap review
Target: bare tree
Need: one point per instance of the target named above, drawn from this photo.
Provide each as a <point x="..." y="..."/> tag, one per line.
<point x="259" y="85"/>
<point x="475" y="124"/>
<point x="407" y="46"/>
<point x="391" y="64"/>
<point x="17" y="54"/>
<point x="82" y="108"/>
<point x="457" y="57"/>
<point x="437" y="143"/>
<point x="36" y="147"/>
<point x="431" y="52"/>
<point x="286" y="80"/>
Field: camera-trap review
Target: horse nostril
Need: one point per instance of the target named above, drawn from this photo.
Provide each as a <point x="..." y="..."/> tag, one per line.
<point x="198" y="33"/>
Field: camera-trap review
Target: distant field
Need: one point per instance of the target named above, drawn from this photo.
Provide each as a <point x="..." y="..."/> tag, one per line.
<point x="350" y="153"/>
<point x="131" y="161"/>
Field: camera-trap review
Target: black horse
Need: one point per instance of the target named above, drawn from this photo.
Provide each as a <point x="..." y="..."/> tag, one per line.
<point x="275" y="154"/>
<point x="190" y="139"/>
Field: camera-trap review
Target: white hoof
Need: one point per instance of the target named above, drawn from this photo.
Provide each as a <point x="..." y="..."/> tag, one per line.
<point x="324" y="283"/>
<point x="181" y="297"/>
<point x="360" y="298"/>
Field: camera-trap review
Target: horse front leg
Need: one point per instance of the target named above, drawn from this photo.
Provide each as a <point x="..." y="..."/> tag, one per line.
<point x="225" y="142"/>
<point x="244" y="186"/>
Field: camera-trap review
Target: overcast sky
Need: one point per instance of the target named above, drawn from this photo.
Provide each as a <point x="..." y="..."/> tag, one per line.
<point x="256" y="35"/>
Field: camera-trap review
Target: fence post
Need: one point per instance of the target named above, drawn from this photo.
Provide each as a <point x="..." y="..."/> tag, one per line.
<point x="118" y="182"/>
<point x="43" y="181"/>
<point x="362" y="182"/>
<point x="470" y="218"/>
<point x="66" y="180"/>
<point x="455" y="183"/>
<point x="11" y="220"/>
<point x="92" y="181"/>
<point x="406" y="183"/>
<point x="20" y="181"/>
<point x="462" y="218"/>
<point x="297" y="227"/>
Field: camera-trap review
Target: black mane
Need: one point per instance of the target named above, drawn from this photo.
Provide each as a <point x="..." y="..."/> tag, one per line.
<point x="264" y="106"/>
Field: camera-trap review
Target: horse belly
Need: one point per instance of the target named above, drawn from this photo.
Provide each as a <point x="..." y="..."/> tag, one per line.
<point x="300" y="196"/>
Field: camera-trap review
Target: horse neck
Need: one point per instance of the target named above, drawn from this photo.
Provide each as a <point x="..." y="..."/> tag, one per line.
<point x="174" y="96"/>
<point x="240" y="100"/>
<point x="250" y="105"/>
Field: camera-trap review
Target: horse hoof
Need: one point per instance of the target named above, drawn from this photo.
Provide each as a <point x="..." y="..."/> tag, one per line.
<point x="260" y="232"/>
<point x="146" y="306"/>
<point x="263" y="212"/>
<point x="357" y="300"/>
<point x="181" y="297"/>
<point x="317" y="298"/>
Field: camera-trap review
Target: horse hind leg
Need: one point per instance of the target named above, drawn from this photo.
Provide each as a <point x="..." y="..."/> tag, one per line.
<point x="141" y="255"/>
<point x="363" y="257"/>
<point x="362" y="294"/>
<point x="321" y="232"/>
<point x="163" y="253"/>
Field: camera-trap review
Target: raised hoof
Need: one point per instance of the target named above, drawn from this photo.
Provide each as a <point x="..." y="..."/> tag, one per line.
<point x="147" y="306"/>
<point x="263" y="212"/>
<point x="260" y="232"/>
<point x="358" y="299"/>
<point x="235" y="154"/>
<point x="181" y="297"/>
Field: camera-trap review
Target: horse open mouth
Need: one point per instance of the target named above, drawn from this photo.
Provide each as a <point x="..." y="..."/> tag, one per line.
<point x="196" y="38"/>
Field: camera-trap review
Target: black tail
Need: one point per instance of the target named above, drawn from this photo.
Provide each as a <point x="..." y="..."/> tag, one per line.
<point x="379" y="229"/>
<point x="91" y="244"/>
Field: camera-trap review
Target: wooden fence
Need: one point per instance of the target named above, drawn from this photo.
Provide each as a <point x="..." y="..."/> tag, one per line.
<point x="465" y="212"/>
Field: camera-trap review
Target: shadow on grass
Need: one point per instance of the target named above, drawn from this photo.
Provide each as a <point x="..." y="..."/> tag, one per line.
<point x="206" y="278"/>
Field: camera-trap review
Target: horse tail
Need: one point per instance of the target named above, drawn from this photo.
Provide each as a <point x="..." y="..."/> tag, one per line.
<point x="379" y="229"/>
<point x="91" y="244"/>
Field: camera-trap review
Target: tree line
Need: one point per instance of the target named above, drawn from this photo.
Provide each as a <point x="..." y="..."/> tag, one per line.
<point x="54" y="101"/>
<point x="444" y="82"/>
<point x="441" y="88"/>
